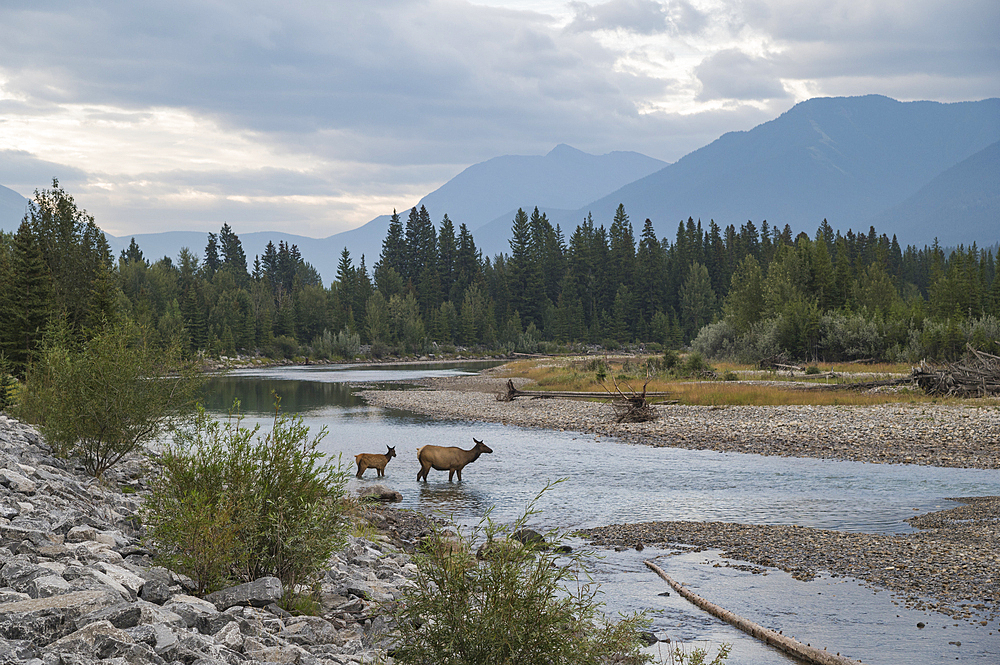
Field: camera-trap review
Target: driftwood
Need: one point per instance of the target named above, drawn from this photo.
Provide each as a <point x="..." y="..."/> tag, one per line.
<point x="978" y="375"/>
<point x="806" y="652"/>
<point x="511" y="393"/>
<point x="632" y="408"/>
<point x="773" y="362"/>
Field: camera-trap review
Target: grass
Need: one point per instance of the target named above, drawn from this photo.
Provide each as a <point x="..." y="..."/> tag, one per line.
<point x="581" y="375"/>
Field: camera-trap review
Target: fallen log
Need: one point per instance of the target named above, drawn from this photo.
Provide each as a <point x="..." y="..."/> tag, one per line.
<point x="511" y="393"/>
<point x="789" y="645"/>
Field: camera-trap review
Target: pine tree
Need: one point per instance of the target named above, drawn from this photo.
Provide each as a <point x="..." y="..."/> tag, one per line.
<point x="27" y="300"/>
<point x="393" y="248"/>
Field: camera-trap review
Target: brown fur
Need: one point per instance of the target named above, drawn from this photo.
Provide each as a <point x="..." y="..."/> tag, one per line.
<point x="374" y="461"/>
<point x="450" y="459"/>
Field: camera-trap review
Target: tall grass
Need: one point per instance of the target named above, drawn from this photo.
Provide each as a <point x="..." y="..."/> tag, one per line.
<point x="582" y="375"/>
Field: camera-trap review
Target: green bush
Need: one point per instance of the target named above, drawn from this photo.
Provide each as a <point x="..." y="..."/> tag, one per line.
<point x="232" y="504"/>
<point x="518" y="604"/>
<point x="812" y="369"/>
<point x="694" y="364"/>
<point x="102" y="400"/>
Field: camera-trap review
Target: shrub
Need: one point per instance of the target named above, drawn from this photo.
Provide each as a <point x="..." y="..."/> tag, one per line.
<point x="730" y="376"/>
<point x="344" y="344"/>
<point x="231" y="504"/>
<point x="284" y="347"/>
<point x="812" y="369"/>
<point x="517" y="605"/>
<point x="102" y="400"/>
<point x="695" y="365"/>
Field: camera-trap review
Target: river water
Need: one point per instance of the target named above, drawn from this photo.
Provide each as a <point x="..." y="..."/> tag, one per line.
<point x="604" y="481"/>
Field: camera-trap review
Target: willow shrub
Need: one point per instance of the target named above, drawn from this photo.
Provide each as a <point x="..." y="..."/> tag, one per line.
<point x="530" y="604"/>
<point x="232" y="504"/>
<point x="102" y="399"/>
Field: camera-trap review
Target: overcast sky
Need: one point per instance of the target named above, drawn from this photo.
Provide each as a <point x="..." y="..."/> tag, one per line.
<point x="313" y="117"/>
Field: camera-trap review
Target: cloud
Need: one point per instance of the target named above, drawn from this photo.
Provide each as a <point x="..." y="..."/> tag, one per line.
<point x="643" y="17"/>
<point x="23" y="172"/>
<point x="733" y="74"/>
<point x="920" y="49"/>
<point x="330" y="113"/>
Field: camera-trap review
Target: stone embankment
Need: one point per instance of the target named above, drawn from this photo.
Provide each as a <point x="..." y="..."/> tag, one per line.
<point x="77" y="585"/>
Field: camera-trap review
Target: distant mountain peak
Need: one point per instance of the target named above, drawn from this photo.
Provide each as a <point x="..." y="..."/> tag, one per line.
<point x="563" y="150"/>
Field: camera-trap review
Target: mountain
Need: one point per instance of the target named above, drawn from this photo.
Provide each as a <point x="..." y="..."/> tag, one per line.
<point x="843" y="159"/>
<point x="565" y="178"/>
<point x="12" y="209"/>
<point x="966" y="196"/>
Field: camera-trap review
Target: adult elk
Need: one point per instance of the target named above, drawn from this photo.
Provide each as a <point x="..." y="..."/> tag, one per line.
<point x="450" y="459"/>
<point x="374" y="461"/>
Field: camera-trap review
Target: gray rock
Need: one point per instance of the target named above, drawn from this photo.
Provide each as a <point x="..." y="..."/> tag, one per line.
<point x="379" y="493"/>
<point x="190" y="608"/>
<point x="20" y="571"/>
<point x="81" y="534"/>
<point x="121" y="615"/>
<point x="44" y="620"/>
<point x="47" y="585"/>
<point x="155" y="591"/>
<point x="259" y="593"/>
<point x="16" y="482"/>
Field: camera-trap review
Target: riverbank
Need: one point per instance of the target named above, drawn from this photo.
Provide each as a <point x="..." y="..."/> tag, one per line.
<point x="949" y="566"/>
<point x="77" y="583"/>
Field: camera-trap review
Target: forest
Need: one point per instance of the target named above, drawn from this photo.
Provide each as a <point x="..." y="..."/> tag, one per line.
<point x="736" y="293"/>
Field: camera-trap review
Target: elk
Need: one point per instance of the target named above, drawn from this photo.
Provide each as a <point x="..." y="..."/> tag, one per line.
<point x="450" y="459"/>
<point x="374" y="461"/>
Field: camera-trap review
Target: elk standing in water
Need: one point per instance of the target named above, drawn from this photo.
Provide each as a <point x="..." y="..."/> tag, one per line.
<point x="374" y="461"/>
<point x="450" y="459"/>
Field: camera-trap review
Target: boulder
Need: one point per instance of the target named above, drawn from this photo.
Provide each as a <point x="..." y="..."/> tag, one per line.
<point x="259" y="593"/>
<point x="379" y="493"/>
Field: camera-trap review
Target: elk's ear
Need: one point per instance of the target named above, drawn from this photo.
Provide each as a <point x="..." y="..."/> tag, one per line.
<point x="475" y="440"/>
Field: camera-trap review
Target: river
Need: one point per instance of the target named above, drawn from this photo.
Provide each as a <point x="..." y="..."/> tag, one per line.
<point x="605" y="482"/>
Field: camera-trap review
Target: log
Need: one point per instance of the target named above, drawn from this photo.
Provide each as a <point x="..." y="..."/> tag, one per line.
<point x="789" y="645"/>
<point x="512" y="393"/>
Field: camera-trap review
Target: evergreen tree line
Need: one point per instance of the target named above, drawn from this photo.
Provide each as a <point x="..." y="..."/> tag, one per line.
<point x="742" y="293"/>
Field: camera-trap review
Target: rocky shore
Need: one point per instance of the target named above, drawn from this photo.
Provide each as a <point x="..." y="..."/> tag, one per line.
<point x="952" y="565"/>
<point x="77" y="585"/>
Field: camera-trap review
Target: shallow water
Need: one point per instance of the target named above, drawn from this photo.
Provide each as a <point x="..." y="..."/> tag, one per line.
<point x="606" y="482"/>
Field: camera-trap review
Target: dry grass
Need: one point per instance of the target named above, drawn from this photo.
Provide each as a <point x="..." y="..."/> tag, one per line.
<point x="580" y="375"/>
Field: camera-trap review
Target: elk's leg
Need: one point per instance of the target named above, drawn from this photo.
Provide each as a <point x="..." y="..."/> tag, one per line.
<point x="361" y="469"/>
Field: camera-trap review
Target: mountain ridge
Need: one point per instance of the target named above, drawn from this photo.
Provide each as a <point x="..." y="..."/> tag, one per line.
<point x="920" y="170"/>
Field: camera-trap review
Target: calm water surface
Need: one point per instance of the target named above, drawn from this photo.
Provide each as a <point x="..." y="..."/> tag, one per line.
<point x="607" y="482"/>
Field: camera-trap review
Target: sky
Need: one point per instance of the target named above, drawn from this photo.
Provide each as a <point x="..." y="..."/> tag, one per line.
<point x="314" y="116"/>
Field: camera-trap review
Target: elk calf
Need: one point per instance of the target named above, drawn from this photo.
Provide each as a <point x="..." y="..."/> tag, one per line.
<point x="450" y="459"/>
<point x="374" y="461"/>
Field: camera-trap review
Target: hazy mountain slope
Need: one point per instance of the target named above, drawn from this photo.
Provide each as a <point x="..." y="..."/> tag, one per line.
<point x="12" y="208"/>
<point x="954" y="205"/>
<point x="564" y="178"/>
<point x="842" y="159"/>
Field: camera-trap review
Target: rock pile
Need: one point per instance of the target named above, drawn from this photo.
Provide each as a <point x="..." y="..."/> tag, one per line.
<point x="78" y="587"/>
